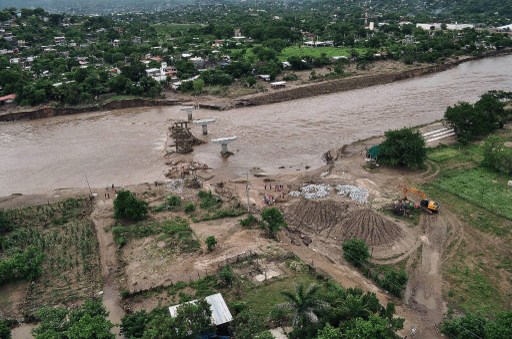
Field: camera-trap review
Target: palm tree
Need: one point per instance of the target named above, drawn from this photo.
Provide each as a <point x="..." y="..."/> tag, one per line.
<point x="304" y="303"/>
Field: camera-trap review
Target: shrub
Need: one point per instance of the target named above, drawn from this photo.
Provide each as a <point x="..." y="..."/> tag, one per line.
<point x="249" y="221"/>
<point x="355" y="251"/>
<point x="5" y="331"/>
<point x="394" y="282"/>
<point x="497" y="157"/>
<point x="128" y="206"/>
<point x="272" y="221"/>
<point x="132" y="325"/>
<point x="210" y="242"/>
<point x="190" y="207"/>
<point x="403" y="147"/>
<point x="6" y="223"/>
<point x="226" y="276"/>
<point x="208" y="200"/>
<point x="173" y="202"/>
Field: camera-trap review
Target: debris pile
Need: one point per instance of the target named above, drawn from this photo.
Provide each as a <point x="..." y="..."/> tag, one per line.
<point x="355" y="193"/>
<point x="176" y="185"/>
<point x="312" y="191"/>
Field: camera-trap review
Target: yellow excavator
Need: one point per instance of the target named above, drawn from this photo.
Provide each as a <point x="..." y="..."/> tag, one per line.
<point x="431" y="206"/>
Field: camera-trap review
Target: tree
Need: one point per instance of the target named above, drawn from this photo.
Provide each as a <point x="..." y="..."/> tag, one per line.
<point x="304" y="304"/>
<point x="497" y="157"/>
<point x="394" y="281"/>
<point x="194" y="319"/>
<point x="403" y="147"/>
<point x="500" y="327"/>
<point x="355" y="251"/>
<point x="272" y="221"/>
<point x="210" y="242"/>
<point x="473" y="121"/>
<point x="127" y="206"/>
<point x="465" y="327"/>
<point x="87" y="321"/>
<point x="329" y="332"/>
<point x="5" y="330"/>
<point x="375" y="327"/>
<point x="133" y="325"/>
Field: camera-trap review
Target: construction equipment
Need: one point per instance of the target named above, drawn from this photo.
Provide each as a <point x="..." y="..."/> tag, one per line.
<point x="431" y="206"/>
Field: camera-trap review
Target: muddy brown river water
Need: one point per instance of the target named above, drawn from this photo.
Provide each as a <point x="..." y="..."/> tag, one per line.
<point x="127" y="146"/>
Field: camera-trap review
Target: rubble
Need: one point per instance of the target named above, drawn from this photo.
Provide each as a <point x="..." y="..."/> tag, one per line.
<point x="176" y="185"/>
<point x="312" y="191"/>
<point x="355" y="193"/>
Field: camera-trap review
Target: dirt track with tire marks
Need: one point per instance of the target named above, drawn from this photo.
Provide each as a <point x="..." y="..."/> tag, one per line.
<point x="339" y="221"/>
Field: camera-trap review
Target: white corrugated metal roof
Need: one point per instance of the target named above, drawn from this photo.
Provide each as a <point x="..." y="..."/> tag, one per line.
<point x="220" y="311"/>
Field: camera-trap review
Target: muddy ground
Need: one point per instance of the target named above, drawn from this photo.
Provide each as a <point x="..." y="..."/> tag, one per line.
<point x="316" y="230"/>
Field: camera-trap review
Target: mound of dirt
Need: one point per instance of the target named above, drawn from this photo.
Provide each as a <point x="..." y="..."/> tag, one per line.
<point x="368" y="225"/>
<point x="337" y="221"/>
<point x="315" y="217"/>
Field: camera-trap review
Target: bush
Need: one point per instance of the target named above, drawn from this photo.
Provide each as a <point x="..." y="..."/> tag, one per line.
<point x="5" y="331"/>
<point x="355" y="251"/>
<point x="22" y="265"/>
<point x="127" y="206"/>
<point x="210" y="242"/>
<point x="226" y="276"/>
<point x="249" y="221"/>
<point x="394" y="282"/>
<point x="173" y="202"/>
<point x="497" y="157"/>
<point x="190" y="207"/>
<point x="6" y="224"/>
<point x="132" y="325"/>
<point x="403" y="147"/>
<point x="272" y="221"/>
<point x="208" y="200"/>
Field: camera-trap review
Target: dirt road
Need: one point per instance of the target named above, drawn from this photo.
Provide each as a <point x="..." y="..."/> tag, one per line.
<point x="102" y="217"/>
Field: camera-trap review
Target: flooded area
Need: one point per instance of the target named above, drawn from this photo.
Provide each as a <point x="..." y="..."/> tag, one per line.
<point x="127" y="146"/>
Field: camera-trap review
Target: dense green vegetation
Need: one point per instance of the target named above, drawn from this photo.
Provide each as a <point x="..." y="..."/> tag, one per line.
<point x="106" y="57"/>
<point x="87" y="321"/>
<point x="477" y="326"/>
<point x="403" y="148"/>
<point x="128" y="206"/>
<point x="272" y="221"/>
<point x="474" y="121"/>
<point x="176" y="231"/>
<point x="393" y="280"/>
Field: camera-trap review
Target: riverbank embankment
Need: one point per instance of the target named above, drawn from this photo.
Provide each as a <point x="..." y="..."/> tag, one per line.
<point x="346" y="84"/>
<point x="48" y="112"/>
<point x="274" y="96"/>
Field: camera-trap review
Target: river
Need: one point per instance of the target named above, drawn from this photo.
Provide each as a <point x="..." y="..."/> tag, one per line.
<point x="126" y="146"/>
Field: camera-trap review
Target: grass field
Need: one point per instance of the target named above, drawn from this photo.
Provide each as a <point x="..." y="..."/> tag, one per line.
<point x="317" y="52"/>
<point x="479" y="274"/>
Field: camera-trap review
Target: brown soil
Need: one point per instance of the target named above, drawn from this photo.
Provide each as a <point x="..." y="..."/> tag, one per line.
<point x="338" y="221"/>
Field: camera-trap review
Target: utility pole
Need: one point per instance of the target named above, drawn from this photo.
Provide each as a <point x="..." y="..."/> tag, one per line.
<point x="90" y="191"/>
<point x="247" y="191"/>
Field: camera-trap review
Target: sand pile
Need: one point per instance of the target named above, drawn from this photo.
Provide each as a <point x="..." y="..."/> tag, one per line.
<point x="337" y="221"/>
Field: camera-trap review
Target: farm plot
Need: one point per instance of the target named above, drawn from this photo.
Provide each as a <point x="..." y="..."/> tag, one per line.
<point x="63" y="257"/>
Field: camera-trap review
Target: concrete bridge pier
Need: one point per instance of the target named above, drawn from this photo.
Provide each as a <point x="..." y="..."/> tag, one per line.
<point x="189" y="110"/>
<point x="204" y="123"/>
<point x="224" y="143"/>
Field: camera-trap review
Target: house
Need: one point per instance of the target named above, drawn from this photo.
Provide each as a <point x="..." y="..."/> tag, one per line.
<point x="136" y="40"/>
<point x="220" y="311"/>
<point x="264" y="77"/>
<point x="59" y="40"/>
<point x="7" y="99"/>
<point x="278" y="84"/>
<point x="115" y="43"/>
